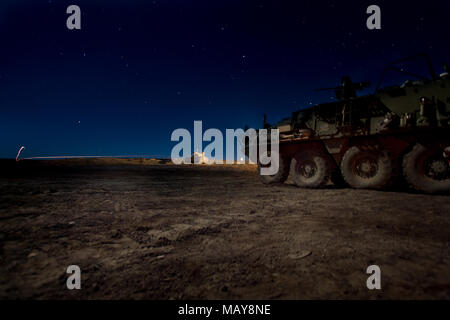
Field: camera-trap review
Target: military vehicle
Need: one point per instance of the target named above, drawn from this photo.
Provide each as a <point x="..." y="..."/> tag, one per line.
<point x="369" y="141"/>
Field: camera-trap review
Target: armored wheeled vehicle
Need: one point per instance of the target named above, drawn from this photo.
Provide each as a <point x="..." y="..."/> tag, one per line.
<point x="370" y="141"/>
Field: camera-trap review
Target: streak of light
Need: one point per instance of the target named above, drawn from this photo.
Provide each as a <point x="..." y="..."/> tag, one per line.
<point x="18" y="153"/>
<point x="87" y="157"/>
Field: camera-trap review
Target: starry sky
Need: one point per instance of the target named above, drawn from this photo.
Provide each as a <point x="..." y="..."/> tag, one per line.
<point x="137" y="70"/>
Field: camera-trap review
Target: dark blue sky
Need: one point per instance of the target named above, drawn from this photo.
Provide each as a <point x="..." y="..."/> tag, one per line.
<point x="137" y="70"/>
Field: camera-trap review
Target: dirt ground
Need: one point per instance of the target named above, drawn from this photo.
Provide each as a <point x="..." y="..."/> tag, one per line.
<point x="144" y="230"/>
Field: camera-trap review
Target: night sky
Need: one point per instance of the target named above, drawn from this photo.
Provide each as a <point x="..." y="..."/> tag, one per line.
<point x="137" y="70"/>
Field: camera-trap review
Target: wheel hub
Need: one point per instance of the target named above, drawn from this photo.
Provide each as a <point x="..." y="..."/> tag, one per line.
<point x="366" y="168"/>
<point x="438" y="166"/>
<point x="438" y="169"/>
<point x="307" y="169"/>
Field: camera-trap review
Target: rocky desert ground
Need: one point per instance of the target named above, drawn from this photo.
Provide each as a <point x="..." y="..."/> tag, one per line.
<point x="146" y="229"/>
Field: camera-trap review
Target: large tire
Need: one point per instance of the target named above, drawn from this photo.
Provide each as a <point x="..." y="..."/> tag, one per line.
<point x="367" y="168"/>
<point x="310" y="169"/>
<point x="426" y="169"/>
<point x="282" y="174"/>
